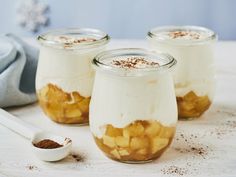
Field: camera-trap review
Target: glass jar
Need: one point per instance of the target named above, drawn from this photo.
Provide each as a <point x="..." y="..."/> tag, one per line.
<point x="192" y="47"/>
<point x="64" y="78"/>
<point x="133" y="111"/>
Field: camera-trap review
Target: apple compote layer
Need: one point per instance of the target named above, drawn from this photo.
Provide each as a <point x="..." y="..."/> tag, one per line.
<point x="137" y="142"/>
<point x="62" y="107"/>
<point x="191" y="105"/>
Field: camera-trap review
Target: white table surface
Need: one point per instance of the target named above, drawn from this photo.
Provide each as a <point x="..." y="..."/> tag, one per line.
<point x="214" y="133"/>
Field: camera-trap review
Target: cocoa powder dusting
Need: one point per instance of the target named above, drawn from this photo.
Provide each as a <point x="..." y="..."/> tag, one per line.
<point x="47" y="144"/>
<point x="174" y="170"/>
<point x="134" y="62"/>
<point x="179" y="34"/>
<point x="32" y="167"/>
<point x="191" y="146"/>
<point x="77" y="157"/>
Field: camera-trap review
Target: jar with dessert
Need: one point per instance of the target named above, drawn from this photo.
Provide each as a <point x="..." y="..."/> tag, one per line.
<point x="133" y="111"/>
<point x="65" y="76"/>
<point x="192" y="47"/>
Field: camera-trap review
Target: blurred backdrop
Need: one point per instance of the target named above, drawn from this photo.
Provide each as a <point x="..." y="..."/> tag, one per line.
<point x="119" y="18"/>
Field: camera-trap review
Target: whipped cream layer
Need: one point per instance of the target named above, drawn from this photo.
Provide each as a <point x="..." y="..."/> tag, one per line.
<point x="120" y="100"/>
<point x="195" y="69"/>
<point x="185" y="35"/>
<point x="192" y="47"/>
<point x="70" y="70"/>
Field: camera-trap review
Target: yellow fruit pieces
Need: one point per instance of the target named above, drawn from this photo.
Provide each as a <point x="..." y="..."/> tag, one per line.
<point x="139" y="141"/>
<point x="122" y="141"/>
<point x="63" y="107"/>
<point x="191" y="105"/>
<point x="159" y="143"/>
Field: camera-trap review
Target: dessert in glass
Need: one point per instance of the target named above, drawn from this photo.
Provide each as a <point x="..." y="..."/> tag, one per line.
<point x="194" y="80"/>
<point x="133" y="111"/>
<point x="65" y="76"/>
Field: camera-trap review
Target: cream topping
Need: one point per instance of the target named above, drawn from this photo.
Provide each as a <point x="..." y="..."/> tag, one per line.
<point x="133" y="62"/>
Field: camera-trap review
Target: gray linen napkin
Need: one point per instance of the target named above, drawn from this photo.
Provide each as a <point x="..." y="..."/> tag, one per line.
<point x="18" y="63"/>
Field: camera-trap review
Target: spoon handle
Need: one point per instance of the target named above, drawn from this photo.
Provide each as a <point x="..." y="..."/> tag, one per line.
<point x="17" y="125"/>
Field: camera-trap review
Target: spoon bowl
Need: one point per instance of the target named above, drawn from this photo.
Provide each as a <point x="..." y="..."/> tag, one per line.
<point x="35" y="135"/>
<point x="51" y="154"/>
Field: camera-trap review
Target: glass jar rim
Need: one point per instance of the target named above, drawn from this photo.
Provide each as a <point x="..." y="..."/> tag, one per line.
<point x="98" y="61"/>
<point x="101" y="38"/>
<point x="153" y="34"/>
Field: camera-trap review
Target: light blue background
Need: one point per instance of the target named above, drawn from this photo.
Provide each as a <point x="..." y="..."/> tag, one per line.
<point x="129" y="18"/>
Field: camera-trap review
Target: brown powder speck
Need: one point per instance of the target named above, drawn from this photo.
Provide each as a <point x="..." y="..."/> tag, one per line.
<point x="195" y="150"/>
<point x="225" y="128"/>
<point x="174" y="170"/>
<point x="31" y="167"/>
<point x="191" y="147"/>
<point x="231" y="123"/>
<point x="199" y="150"/>
<point x="77" y="157"/>
<point x="229" y="113"/>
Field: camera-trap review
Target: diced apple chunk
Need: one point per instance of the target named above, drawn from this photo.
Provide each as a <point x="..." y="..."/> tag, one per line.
<point x="56" y="94"/>
<point x="126" y="133"/>
<point x="113" y="132"/>
<point x="122" y="141"/>
<point x="203" y="104"/>
<point x="135" y="129"/>
<point x="190" y="96"/>
<point x="43" y="92"/>
<point x="139" y="143"/>
<point x="142" y="151"/>
<point x="158" y="144"/>
<point x="123" y="152"/>
<point x="153" y="129"/>
<point x="115" y="153"/>
<point x="72" y="113"/>
<point x="109" y="141"/>
<point x="167" y="132"/>
<point x="76" y="97"/>
<point x="84" y="104"/>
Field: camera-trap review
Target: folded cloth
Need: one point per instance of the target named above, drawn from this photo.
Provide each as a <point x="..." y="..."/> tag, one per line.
<point x="18" y="63"/>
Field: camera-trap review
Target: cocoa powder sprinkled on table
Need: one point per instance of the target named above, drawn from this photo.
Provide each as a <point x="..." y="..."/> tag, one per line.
<point x="225" y="128"/>
<point x="77" y="157"/>
<point x="174" y="170"/>
<point x="192" y="147"/>
<point x="229" y="113"/>
<point x="47" y="144"/>
<point x="31" y="167"/>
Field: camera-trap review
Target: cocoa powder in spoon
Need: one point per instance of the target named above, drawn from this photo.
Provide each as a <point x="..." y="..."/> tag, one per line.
<point x="47" y="144"/>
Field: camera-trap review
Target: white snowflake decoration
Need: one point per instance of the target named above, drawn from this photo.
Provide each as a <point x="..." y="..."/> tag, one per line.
<point x="32" y="14"/>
